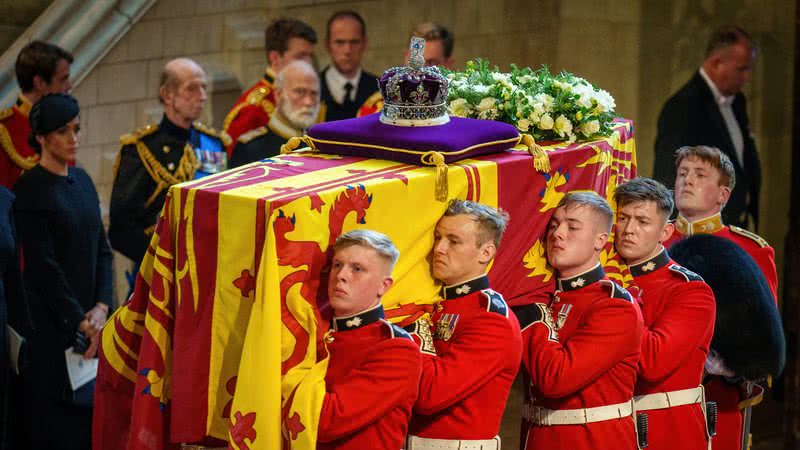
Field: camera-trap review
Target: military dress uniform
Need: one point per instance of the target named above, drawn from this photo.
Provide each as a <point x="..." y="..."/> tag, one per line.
<point x="469" y="361"/>
<point x="150" y="161"/>
<point x="679" y="310"/>
<point x="370" y="385"/>
<point x="581" y="352"/>
<point x="263" y="142"/>
<point x="17" y="156"/>
<point x="252" y="110"/>
<point x="727" y="393"/>
<point x="755" y="246"/>
<point x="368" y="99"/>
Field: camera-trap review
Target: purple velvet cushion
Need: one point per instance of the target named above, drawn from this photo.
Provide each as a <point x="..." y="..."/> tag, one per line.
<point x="456" y="140"/>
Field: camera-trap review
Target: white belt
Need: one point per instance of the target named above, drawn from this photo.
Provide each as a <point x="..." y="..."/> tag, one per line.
<point x="547" y="417"/>
<point x="664" y="400"/>
<point x="421" y="443"/>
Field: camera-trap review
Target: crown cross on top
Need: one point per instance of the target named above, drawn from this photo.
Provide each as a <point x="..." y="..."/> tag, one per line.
<point x="416" y="50"/>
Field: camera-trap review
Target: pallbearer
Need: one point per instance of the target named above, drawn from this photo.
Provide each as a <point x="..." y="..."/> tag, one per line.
<point x="374" y="367"/>
<point x="581" y="348"/>
<point x="678" y="309"/>
<point x="472" y="354"/>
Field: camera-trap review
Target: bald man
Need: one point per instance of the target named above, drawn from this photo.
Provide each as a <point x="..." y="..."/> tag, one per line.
<point x="155" y="157"/>
<point x="297" y="95"/>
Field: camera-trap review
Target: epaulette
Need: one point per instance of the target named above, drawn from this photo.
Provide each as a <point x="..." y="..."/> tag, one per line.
<point x="132" y="138"/>
<point x="396" y="331"/>
<point x="205" y="129"/>
<point x="6" y="113"/>
<point x="495" y="302"/>
<point x="750" y="235"/>
<point x="686" y="273"/>
<point x="257" y="95"/>
<point x="617" y="291"/>
<point x="252" y="134"/>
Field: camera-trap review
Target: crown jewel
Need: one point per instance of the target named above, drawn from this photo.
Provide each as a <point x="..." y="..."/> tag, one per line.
<point x="414" y="95"/>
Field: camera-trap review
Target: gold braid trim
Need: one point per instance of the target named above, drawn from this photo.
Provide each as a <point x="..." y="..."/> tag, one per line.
<point x="163" y="178"/>
<point x="6" y="113"/>
<point x="133" y="138"/>
<point x="25" y="163"/>
<point x="205" y="129"/>
<point x="255" y="97"/>
<point x="252" y="134"/>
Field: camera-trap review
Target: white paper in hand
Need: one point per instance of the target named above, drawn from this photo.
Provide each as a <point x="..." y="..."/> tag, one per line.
<point x="15" y="342"/>
<point x="80" y="371"/>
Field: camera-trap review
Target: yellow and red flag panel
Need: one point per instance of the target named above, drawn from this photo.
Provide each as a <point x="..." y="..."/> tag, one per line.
<point x="222" y="339"/>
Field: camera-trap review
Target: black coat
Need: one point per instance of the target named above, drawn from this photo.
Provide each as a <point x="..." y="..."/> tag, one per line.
<point x="367" y="85"/>
<point x="66" y="271"/>
<point x="692" y="117"/>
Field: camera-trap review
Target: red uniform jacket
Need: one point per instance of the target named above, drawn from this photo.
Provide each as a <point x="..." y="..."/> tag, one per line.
<point x="252" y="110"/>
<point x="679" y="311"/>
<point x="371" y="384"/>
<point x="727" y="395"/>
<point x="17" y="155"/>
<point x="465" y="386"/>
<point x="591" y="362"/>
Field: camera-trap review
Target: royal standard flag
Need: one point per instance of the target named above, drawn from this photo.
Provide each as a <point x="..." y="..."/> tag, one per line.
<point x="222" y="340"/>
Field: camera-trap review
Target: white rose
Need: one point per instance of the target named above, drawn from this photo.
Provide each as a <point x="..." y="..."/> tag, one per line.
<point x="589" y="128"/>
<point x="605" y="102"/>
<point x="546" y="122"/>
<point x="486" y="104"/>
<point x="545" y="101"/>
<point x="563" y="126"/>
<point x="459" y="108"/>
<point x="523" y="125"/>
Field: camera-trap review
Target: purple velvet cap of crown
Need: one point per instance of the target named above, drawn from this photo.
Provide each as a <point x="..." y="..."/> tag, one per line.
<point x="368" y="137"/>
<point x="401" y="86"/>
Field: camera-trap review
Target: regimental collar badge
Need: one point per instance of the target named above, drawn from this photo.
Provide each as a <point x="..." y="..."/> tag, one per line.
<point x="358" y="320"/>
<point x="708" y="225"/>
<point x="446" y="326"/>
<point x="579" y="281"/>
<point x="462" y="289"/>
<point x="650" y="265"/>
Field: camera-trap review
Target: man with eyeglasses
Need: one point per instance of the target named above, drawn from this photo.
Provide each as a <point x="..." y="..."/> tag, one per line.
<point x="297" y="94"/>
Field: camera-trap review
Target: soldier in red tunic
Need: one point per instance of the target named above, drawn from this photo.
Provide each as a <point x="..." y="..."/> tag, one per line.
<point x="286" y="40"/>
<point x="472" y="355"/>
<point x="678" y="309"/>
<point x="581" y="349"/>
<point x="704" y="183"/>
<point x="41" y="69"/>
<point x="374" y="369"/>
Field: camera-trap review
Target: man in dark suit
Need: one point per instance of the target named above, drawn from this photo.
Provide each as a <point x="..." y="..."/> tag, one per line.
<point x="711" y="110"/>
<point x="347" y="90"/>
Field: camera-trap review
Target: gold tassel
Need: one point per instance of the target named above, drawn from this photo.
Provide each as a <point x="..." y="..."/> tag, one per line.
<point x="437" y="159"/>
<point x="540" y="159"/>
<point x="294" y="142"/>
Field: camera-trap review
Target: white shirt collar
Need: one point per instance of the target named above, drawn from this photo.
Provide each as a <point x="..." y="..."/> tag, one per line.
<point x="721" y="100"/>
<point x="336" y="82"/>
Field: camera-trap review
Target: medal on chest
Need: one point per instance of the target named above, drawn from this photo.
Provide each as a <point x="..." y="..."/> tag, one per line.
<point x="446" y="326"/>
<point x="563" y="313"/>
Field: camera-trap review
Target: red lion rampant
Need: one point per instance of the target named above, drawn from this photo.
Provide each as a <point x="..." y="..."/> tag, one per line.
<point x="314" y="259"/>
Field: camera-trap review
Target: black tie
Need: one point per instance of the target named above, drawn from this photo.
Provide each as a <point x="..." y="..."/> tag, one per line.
<point x="348" y="89"/>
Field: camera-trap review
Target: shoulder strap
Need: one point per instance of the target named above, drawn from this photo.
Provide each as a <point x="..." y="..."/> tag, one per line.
<point x="750" y="235"/>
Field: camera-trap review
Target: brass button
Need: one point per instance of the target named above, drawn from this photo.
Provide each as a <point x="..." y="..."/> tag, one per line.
<point x="166" y="149"/>
<point x="171" y="166"/>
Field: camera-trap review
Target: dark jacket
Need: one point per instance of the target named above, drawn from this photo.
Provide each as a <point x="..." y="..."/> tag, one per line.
<point x="692" y="117"/>
<point x="367" y="86"/>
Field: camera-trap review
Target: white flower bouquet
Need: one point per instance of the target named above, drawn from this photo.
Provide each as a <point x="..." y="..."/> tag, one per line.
<point x="549" y="107"/>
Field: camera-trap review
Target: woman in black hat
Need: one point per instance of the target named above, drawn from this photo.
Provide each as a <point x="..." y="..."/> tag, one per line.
<point x="67" y="275"/>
